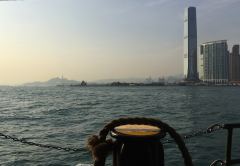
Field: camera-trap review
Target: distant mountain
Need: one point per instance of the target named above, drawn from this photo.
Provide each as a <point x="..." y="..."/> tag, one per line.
<point x="53" y="82"/>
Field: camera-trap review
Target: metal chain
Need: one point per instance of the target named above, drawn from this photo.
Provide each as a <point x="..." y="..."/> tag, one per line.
<point x="209" y="130"/>
<point x="39" y="145"/>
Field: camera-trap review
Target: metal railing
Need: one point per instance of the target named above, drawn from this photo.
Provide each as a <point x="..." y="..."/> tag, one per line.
<point x="216" y="127"/>
<point x="229" y="161"/>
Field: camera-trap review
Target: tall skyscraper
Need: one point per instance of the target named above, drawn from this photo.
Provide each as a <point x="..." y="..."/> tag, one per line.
<point x="190" y="44"/>
<point x="215" y="62"/>
<point x="234" y="64"/>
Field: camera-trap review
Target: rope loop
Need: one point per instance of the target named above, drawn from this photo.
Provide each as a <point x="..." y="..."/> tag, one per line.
<point x="99" y="148"/>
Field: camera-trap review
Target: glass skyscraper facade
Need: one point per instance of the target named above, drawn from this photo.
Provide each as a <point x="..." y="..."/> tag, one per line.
<point x="190" y="44"/>
<point x="215" y="62"/>
<point x="234" y="64"/>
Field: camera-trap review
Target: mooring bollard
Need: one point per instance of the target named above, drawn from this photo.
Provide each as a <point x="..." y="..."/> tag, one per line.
<point x="138" y="145"/>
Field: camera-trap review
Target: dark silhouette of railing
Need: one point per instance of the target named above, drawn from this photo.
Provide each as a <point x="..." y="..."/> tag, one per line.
<point x="229" y="161"/>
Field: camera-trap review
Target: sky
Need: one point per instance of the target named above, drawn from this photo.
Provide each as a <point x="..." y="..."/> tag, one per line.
<point x="104" y="39"/>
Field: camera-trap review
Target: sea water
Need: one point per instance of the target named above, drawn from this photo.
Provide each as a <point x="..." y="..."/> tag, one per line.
<point x="67" y="116"/>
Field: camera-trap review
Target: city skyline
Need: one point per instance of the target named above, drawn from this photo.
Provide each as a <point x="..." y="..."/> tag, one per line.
<point x="100" y="40"/>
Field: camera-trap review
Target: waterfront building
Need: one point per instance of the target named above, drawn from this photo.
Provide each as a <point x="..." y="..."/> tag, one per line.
<point x="190" y="44"/>
<point x="234" y="64"/>
<point x="200" y="66"/>
<point x="215" y="62"/>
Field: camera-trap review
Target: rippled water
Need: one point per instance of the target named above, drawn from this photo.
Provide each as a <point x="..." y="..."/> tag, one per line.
<point x="67" y="116"/>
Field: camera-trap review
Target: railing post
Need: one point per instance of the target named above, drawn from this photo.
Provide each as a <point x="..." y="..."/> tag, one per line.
<point x="229" y="147"/>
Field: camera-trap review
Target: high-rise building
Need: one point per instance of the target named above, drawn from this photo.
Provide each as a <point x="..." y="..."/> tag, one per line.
<point x="234" y="64"/>
<point x="200" y="67"/>
<point x="190" y="44"/>
<point x="215" y="62"/>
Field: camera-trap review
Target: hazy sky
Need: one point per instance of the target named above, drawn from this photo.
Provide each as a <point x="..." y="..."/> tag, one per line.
<point x="100" y="39"/>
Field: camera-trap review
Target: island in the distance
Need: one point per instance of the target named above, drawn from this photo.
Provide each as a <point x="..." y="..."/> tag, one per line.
<point x="57" y="81"/>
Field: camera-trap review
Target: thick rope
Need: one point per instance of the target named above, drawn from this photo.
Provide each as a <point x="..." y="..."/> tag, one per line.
<point x="100" y="147"/>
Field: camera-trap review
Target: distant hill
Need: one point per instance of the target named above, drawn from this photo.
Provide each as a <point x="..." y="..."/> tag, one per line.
<point x="53" y="82"/>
